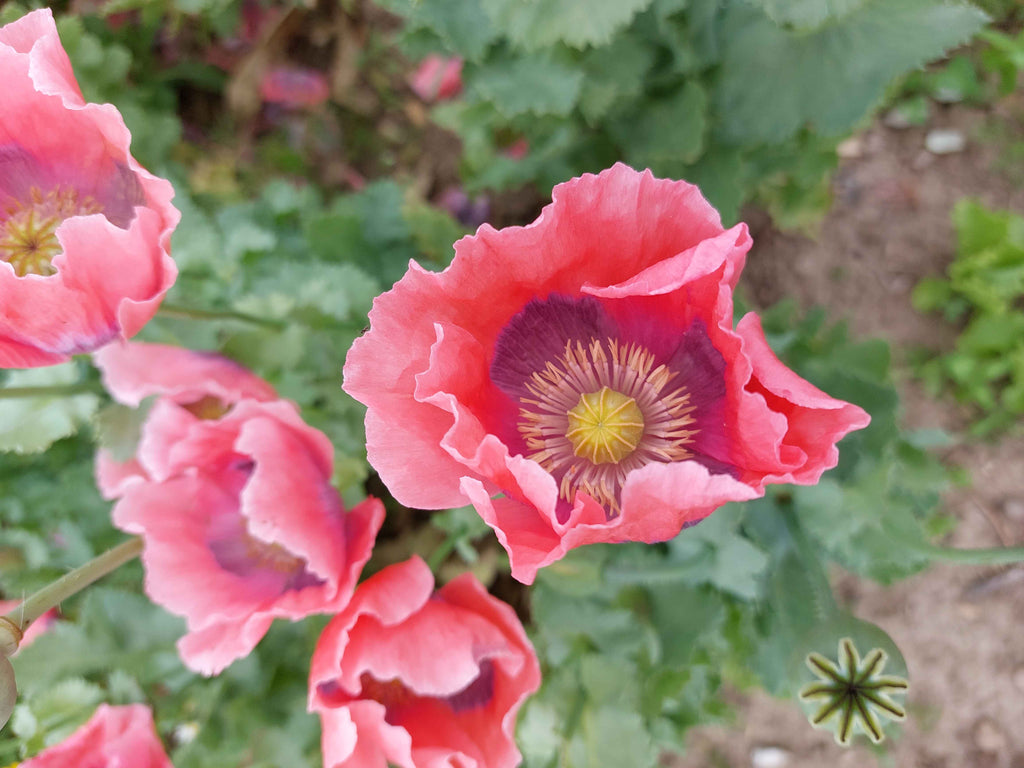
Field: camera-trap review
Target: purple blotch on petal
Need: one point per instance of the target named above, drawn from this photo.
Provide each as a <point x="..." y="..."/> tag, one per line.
<point x="477" y="693"/>
<point x="119" y="196"/>
<point x="702" y="369"/>
<point x="19" y="172"/>
<point x="538" y="334"/>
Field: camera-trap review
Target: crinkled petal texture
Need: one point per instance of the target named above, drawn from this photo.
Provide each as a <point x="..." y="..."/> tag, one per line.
<point x="203" y="383"/>
<point x="420" y="679"/>
<point x="114" y="737"/>
<point x="580" y="380"/>
<point x="233" y="497"/>
<point x="84" y="230"/>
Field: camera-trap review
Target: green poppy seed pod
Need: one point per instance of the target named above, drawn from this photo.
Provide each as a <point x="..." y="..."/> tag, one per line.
<point x="10" y="637"/>
<point x="854" y="692"/>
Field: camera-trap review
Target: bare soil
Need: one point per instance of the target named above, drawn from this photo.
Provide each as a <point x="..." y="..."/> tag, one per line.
<point x="960" y="628"/>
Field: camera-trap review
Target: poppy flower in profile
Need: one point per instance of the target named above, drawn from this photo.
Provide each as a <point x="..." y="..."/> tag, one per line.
<point x="84" y="230"/>
<point x="415" y="678"/>
<point x="232" y="493"/>
<point x="579" y="380"/>
<point x="113" y="737"/>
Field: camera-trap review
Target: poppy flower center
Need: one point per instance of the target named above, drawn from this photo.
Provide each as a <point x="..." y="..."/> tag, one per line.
<point x="207" y="408"/>
<point x="28" y="230"/>
<point x="600" y="411"/>
<point x="605" y="426"/>
<point x="396" y="695"/>
<point x="597" y="397"/>
<point x="236" y="550"/>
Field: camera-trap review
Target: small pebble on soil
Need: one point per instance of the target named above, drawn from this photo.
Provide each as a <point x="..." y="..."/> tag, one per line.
<point x="769" y="757"/>
<point x="944" y="141"/>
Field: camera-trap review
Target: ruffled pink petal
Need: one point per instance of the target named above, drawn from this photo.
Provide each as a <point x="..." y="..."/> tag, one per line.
<point x="814" y="421"/>
<point x="15" y="354"/>
<point x="36" y="34"/>
<point x="173" y="440"/>
<point x="288" y="500"/>
<point x="211" y="649"/>
<point x="389" y="596"/>
<point x="657" y="501"/>
<point x="357" y="736"/>
<point x="182" y="573"/>
<point x="113" y="737"/>
<point x="112" y="476"/>
<point x="132" y="371"/>
<point x="727" y="249"/>
<point x="462" y="642"/>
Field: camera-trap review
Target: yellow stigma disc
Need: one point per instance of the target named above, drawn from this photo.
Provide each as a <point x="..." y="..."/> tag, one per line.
<point x="605" y="426"/>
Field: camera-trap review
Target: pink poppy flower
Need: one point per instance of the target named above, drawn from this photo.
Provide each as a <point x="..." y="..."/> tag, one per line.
<point x="232" y="493"/>
<point x="84" y="230"/>
<point x="437" y="78"/>
<point x="579" y="379"/>
<point x="113" y="737"/>
<point x="36" y="628"/>
<point x="294" y="87"/>
<point x="421" y="679"/>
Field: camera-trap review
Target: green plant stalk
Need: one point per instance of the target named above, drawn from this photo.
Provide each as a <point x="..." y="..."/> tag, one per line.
<point x="188" y="313"/>
<point x="73" y="582"/>
<point x="55" y="390"/>
<point x="817" y="579"/>
<point x="983" y="556"/>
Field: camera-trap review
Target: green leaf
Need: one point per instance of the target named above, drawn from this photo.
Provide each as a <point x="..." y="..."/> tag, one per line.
<point x="721" y="173"/>
<point x="931" y="294"/>
<point x="681" y="616"/>
<point x="433" y="231"/>
<point x="611" y="737"/>
<point x="807" y="14"/>
<point x="462" y="25"/>
<point x="520" y="85"/>
<point x="118" y="428"/>
<point x="32" y="424"/>
<point x="614" y="74"/>
<point x="536" y="24"/>
<point x="737" y="565"/>
<point x="775" y="81"/>
<point x="665" y="131"/>
<point x="979" y="228"/>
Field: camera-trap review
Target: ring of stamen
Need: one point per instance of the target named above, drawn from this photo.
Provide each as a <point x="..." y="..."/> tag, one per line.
<point x="600" y="411"/>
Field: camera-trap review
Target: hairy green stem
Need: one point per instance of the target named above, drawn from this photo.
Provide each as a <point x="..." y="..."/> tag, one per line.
<point x="819" y="588"/>
<point x="984" y="556"/>
<point x="188" y="313"/>
<point x="73" y="582"/>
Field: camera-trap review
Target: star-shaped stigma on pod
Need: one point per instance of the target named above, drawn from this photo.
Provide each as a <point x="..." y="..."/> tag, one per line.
<point x="853" y="692"/>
